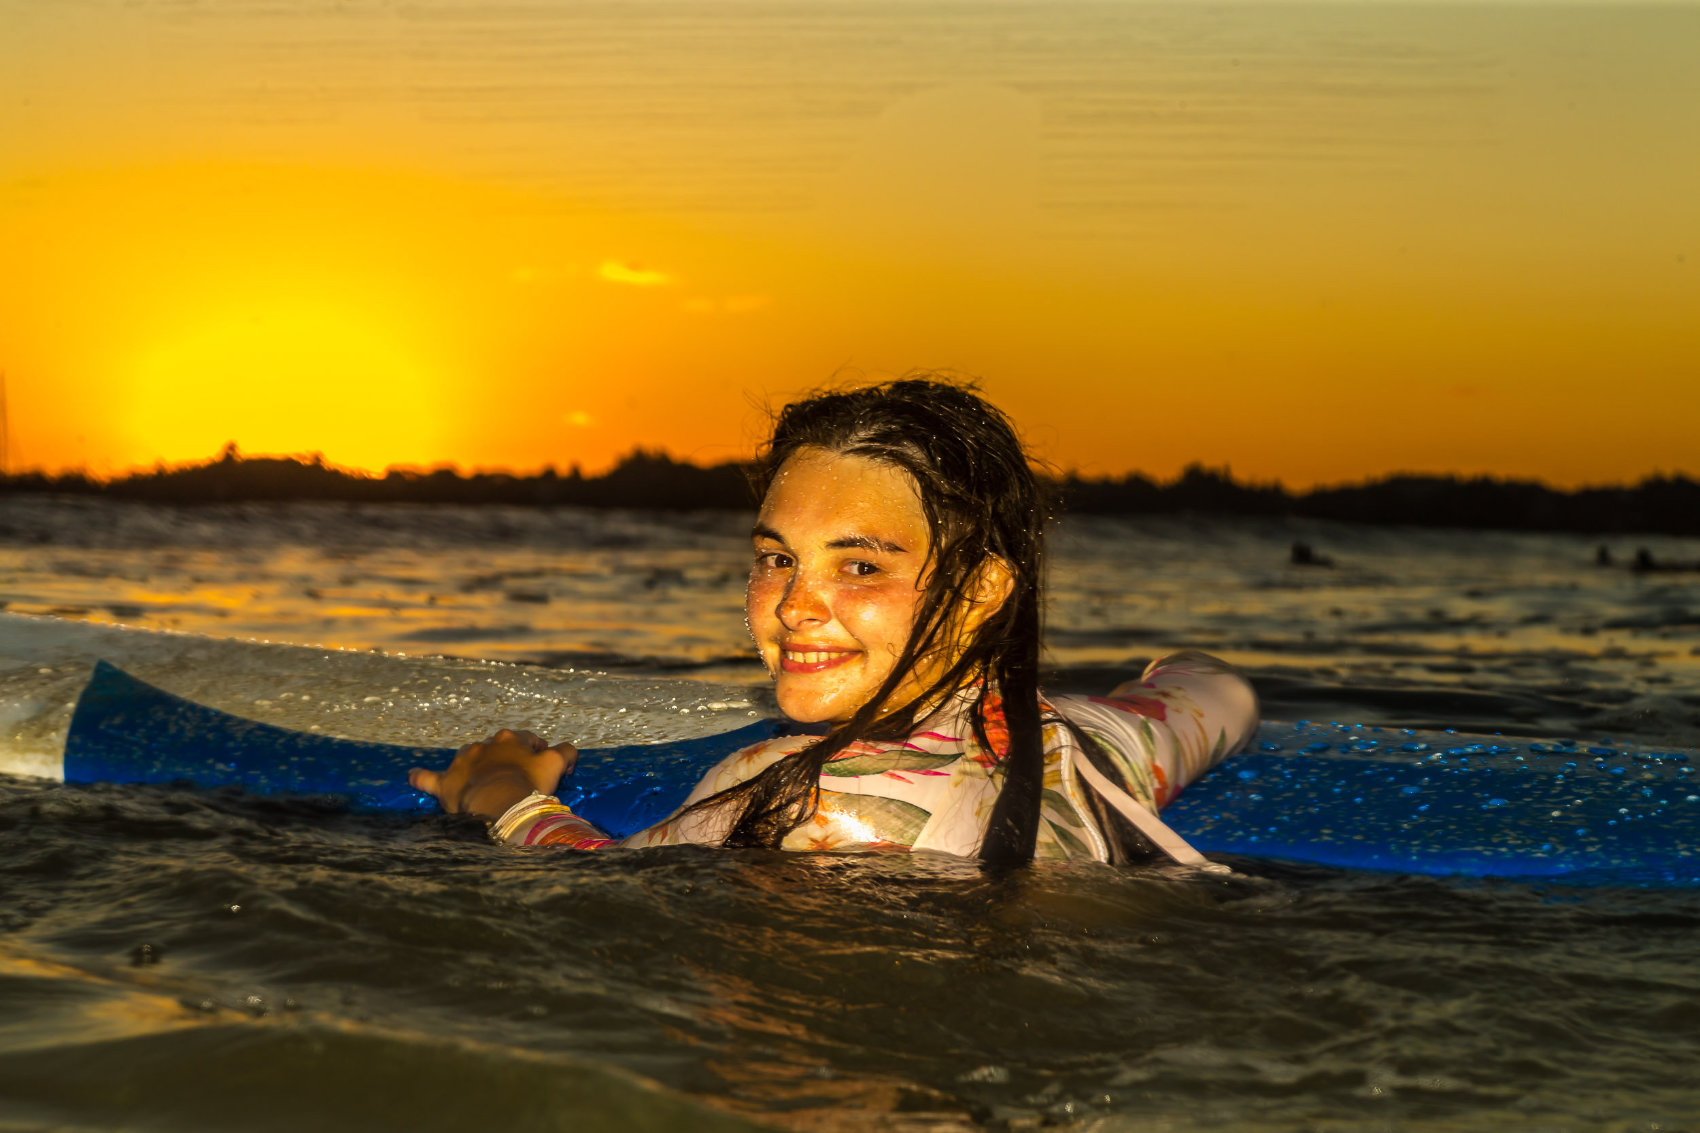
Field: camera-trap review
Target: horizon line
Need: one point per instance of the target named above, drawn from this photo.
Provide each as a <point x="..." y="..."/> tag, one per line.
<point x="232" y="454"/>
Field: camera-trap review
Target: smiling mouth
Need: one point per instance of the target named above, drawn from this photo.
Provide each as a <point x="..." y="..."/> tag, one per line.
<point x="813" y="660"/>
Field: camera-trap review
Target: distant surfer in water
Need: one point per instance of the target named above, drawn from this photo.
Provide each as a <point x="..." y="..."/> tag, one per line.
<point x="895" y="599"/>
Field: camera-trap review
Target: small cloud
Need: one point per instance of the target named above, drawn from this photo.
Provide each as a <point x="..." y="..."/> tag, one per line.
<point x="616" y="272"/>
<point x="578" y="419"/>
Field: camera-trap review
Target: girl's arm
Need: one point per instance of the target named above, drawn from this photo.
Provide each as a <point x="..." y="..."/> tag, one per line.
<point x="1184" y="715"/>
<point x="534" y="817"/>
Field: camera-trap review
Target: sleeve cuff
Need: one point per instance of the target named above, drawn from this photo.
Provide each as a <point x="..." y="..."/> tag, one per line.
<point x="503" y="828"/>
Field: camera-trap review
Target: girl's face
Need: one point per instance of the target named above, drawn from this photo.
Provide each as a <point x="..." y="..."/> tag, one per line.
<point x="840" y="546"/>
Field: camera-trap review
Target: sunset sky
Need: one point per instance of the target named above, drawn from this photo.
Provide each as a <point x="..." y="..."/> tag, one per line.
<point x="1314" y="242"/>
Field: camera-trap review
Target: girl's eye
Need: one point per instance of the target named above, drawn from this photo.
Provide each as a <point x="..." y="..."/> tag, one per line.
<point x="861" y="568"/>
<point x="773" y="560"/>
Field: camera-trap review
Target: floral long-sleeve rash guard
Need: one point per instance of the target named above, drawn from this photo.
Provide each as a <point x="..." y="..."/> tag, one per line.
<point x="934" y="790"/>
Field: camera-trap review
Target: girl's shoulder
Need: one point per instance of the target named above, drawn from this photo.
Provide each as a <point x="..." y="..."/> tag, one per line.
<point x="751" y="760"/>
<point x="932" y="746"/>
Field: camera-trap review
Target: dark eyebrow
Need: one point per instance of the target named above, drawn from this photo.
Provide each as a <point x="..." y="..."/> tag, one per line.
<point x="842" y="543"/>
<point x="865" y="543"/>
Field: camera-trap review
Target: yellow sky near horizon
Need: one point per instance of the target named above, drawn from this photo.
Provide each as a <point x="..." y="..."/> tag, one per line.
<point x="1314" y="242"/>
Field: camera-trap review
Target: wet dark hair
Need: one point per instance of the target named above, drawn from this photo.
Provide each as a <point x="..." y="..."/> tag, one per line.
<point x="981" y="498"/>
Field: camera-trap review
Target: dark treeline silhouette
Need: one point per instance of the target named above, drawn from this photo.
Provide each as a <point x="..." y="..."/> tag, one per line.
<point x="641" y="479"/>
<point x="1667" y="505"/>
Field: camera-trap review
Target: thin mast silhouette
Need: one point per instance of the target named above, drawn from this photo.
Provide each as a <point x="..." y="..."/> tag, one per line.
<point x="5" y="431"/>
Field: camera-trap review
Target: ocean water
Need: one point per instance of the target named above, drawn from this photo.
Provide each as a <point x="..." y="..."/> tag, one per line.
<point x="179" y="959"/>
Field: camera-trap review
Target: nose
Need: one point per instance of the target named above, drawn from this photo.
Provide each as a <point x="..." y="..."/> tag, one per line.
<point x="802" y="604"/>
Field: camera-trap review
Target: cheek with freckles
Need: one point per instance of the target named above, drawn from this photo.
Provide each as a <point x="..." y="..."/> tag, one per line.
<point x="879" y="618"/>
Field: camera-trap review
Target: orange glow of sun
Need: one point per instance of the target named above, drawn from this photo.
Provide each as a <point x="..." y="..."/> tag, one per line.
<point x="285" y="379"/>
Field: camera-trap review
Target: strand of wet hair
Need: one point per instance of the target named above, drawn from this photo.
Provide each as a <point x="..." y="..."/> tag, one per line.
<point x="1013" y="830"/>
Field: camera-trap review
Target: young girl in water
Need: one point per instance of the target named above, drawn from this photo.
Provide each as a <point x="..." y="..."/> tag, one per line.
<point x="895" y="600"/>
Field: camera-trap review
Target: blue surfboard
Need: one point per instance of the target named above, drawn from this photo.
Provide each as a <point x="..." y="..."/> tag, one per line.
<point x="125" y="730"/>
<point x="1331" y="794"/>
<point x="1447" y="804"/>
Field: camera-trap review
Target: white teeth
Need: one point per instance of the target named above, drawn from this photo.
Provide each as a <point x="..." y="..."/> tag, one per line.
<point x="810" y="658"/>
